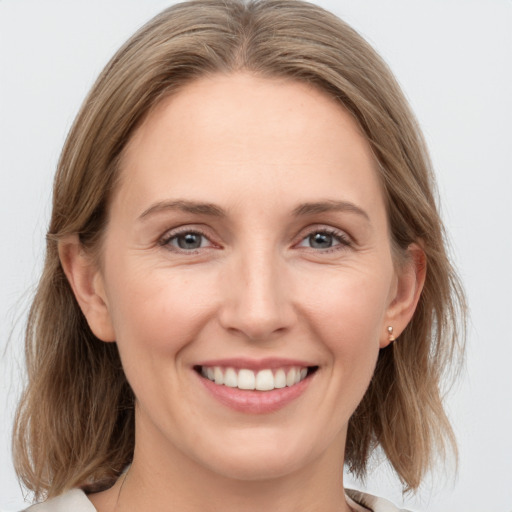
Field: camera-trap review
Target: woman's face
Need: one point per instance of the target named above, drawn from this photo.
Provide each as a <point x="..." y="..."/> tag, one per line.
<point x="247" y="245"/>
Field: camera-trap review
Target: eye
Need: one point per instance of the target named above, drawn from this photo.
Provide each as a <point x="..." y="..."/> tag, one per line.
<point x="325" y="239"/>
<point x="186" y="241"/>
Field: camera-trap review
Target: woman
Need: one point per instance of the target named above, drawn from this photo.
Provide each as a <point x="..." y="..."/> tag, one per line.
<point x="246" y="284"/>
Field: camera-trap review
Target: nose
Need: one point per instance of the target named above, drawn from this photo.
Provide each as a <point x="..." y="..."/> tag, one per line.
<point x="256" y="302"/>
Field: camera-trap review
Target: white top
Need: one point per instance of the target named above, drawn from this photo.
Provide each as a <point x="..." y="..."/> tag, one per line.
<point x="77" y="501"/>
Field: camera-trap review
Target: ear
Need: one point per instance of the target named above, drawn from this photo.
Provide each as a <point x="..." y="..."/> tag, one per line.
<point x="409" y="284"/>
<point x="87" y="284"/>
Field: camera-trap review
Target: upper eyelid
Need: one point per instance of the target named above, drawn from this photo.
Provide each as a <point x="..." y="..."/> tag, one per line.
<point x="323" y="228"/>
<point x="185" y="228"/>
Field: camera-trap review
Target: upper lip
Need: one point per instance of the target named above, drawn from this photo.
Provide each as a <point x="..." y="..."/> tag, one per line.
<point x="255" y="364"/>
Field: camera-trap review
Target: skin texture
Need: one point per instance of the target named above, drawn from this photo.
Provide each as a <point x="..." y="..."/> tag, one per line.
<point x="257" y="287"/>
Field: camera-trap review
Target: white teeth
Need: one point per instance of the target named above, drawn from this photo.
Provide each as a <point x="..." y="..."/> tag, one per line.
<point x="219" y="377"/>
<point x="246" y="379"/>
<point x="280" y="379"/>
<point x="290" y="377"/>
<point x="263" y="380"/>
<point x="230" y="378"/>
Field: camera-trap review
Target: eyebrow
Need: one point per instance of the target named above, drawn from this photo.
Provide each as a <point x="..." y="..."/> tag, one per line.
<point x="184" y="206"/>
<point x="329" y="206"/>
<point x="213" y="210"/>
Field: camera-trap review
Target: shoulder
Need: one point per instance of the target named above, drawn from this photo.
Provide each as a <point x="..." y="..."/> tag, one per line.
<point x="363" y="502"/>
<point x="74" y="500"/>
<point x="77" y="501"/>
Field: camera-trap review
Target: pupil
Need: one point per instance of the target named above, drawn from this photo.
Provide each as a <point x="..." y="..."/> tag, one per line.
<point x="320" y="240"/>
<point x="189" y="241"/>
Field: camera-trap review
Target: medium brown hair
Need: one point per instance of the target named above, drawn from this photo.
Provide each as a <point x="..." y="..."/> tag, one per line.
<point x="75" y="423"/>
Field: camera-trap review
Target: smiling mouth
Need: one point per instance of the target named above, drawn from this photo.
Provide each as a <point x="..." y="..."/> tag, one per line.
<point x="262" y="380"/>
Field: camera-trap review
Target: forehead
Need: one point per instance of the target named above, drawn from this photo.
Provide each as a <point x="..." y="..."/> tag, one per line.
<point x="251" y="135"/>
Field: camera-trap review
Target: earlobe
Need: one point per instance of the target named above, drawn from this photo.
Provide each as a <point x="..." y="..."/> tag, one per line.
<point x="87" y="284"/>
<point x="410" y="281"/>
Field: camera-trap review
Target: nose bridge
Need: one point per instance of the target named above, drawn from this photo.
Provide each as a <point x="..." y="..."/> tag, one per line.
<point x="258" y="304"/>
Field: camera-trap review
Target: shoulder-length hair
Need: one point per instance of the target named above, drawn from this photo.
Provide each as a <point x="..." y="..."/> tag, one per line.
<point x="75" y="422"/>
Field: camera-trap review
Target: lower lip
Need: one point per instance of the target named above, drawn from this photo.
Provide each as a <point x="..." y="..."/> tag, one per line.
<point x="255" y="402"/>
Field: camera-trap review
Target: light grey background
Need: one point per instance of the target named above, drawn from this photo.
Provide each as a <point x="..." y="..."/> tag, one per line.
<point x="453" y="59"/>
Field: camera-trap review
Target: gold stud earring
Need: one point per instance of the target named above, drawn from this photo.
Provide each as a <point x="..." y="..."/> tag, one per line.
<point x="390" y="334"/>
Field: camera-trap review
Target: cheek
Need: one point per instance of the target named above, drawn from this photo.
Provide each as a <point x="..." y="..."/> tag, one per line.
<point x="352" y="302"/>
<point x="346" y="310"/>
<point x="158" y="311"/>
<point x="351" y="336"/>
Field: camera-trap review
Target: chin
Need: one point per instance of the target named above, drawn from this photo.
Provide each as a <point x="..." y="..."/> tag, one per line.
<point x="262" y="457"/>
<point x="256" y="468"/>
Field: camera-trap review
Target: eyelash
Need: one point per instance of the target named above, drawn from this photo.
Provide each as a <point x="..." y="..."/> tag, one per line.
<point x="343" y="241"/>
<point x="165" y="241"/>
